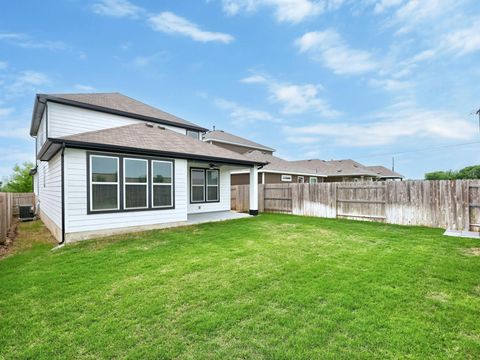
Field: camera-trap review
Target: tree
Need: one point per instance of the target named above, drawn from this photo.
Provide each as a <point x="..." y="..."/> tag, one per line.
<point x="469" y="172"/>
<point x="20" y="180"/>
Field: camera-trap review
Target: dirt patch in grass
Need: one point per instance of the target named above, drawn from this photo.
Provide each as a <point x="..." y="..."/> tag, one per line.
<point x="473" y="251"/>
<point x="24" y="235"/>
<point x="438" y="296"/>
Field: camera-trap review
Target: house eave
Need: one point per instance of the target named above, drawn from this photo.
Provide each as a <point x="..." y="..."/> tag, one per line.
<point x="53" y="145"/>
<point x="43" y="98"/>
<point x="239" y="144"/>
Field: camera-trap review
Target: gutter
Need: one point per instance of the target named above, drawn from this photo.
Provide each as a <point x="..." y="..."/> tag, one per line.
<point x="63" y="193"/>
<point x="145" y="152"/>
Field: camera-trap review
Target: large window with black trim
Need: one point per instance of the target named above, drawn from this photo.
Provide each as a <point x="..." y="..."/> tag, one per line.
<point x="204" y="185"/>
<point x="126" y="183"/>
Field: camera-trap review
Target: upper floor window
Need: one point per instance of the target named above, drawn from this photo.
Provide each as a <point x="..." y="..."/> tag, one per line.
<point x="193" y="134"/>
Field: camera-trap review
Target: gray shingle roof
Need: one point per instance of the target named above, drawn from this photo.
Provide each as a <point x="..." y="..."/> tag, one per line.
<point x="278" y="164"/>
<point x="345" y="167"/>
<point x="382" y="171"/>
<point x="110" y="102"/>
<point x="155" y="139"/>
<point x="225" y="137"/>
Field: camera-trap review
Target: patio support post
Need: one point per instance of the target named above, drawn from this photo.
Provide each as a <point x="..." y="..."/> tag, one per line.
<point x="253" y="191"/>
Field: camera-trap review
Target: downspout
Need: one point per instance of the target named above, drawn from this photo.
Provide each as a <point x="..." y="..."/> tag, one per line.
<point x="63" y="193"/>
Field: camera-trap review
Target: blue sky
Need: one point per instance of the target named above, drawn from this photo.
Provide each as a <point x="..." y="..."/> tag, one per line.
<point x="327" y="79"/>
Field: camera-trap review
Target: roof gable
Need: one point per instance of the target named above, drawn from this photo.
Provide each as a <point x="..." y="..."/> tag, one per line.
<point x="114" y="103"/>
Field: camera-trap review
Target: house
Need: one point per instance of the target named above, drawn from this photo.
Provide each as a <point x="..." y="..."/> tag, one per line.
<point x="339" y="170"/>
<point x="385" y="174"/>
<point x="277" y="170"/>
<point x="107" y="163"/>
<point x="233" y="142"/>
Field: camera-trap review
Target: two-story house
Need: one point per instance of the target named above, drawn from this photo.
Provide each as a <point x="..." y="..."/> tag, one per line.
<point x="107" y="163"/>
<point x="276" y="170"/>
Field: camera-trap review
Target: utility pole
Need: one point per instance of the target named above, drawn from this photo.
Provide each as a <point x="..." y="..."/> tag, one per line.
<point x="393" y="162"/>
<point x="478" y="113"/>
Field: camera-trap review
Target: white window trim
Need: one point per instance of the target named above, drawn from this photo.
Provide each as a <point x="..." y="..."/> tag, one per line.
<point x="312" y="180"/>
<point x="162" y="184"/>
<point x="104" y="183"/>
<point x="125" y="185"/>
<point x="300" y="177"/>
<point x="215" y="185"/>
<point x="286" y="178"/>
<point x="193" y="131"/>
<point x="202" y="186"/>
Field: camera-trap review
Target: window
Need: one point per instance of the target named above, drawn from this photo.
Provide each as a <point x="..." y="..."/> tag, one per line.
<point x="135" y="183"/>
<point x="312" y="180"/>
<point x="197" y="181"/>
<point x="212" y="185"/>
<point x="118" y="183"/>
<point x="286" y="177"/>
<point x="204" y="185"/>
<point x="300" y="179"/>
<point x="104" y="187"/>
<point x="193" y="134"/>
<point x="162" y="184"/>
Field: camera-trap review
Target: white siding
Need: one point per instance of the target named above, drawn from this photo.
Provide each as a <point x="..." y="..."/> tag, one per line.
<point x="64" y="120"/>
<point x="42" y="132"/>
<point x="77" y="219"/>
<point x="50" y="188"/>
<point x="225" y="202"/>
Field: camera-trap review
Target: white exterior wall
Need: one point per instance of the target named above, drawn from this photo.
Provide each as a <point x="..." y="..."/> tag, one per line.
<point x="77" y="220"/>
<point x="49" y="189"/>
<point x="225" y="202"/>
<point x="42" y="132"/>
<point x="65" y="120"/>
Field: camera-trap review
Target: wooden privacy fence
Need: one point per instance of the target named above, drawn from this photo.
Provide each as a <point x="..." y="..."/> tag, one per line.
<point x="446" y="204"/>
<point x="9" y="208"/>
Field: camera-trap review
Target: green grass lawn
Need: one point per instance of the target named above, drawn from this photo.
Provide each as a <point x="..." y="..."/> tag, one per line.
<point x="274" y="286"/>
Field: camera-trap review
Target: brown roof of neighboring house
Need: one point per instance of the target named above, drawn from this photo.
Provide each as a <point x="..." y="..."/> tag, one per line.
<point x="225" y="137"/>
<point x="345" y="167"/>
<point x="114" y="103"/>
<point x="277" y="164"/>
<point x="153" y="139"/>
<point x="384" y="172"/>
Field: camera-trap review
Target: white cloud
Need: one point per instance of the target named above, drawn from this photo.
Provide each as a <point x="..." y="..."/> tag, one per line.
<point x="464" y="41"/>
<point x="295" y="98"/>
<point x="5" y="111"/>
<point x="14" y="132"/>
<point x="117" y="8"/>
<point x="25" y="81"/>
<point x="389" y="126"/>
<point x="3" y="65"/>
<point x="391" y="84"/>
<point x="329" y="48"/>
<point x="27" y="42"/>
<point x="243" y="114"/>
<point x="81" y="87"/>
<point x="292" y="11"/>
<point x="170" y="23"/>
<point x="383" y="5"/>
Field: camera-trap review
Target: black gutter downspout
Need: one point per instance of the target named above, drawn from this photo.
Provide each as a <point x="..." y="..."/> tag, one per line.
<point x="63" y="194"/>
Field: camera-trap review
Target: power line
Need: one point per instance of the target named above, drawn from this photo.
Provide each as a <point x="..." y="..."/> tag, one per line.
<point x="432" y="148"/>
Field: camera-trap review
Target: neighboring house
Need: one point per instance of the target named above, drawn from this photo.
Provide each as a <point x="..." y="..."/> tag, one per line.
<point x="384" y="173"/>
<point x="234" y="142"/>
<point x="276" y="171"/>
<point x="339" y="170"/>
<point x="107" y="163"/>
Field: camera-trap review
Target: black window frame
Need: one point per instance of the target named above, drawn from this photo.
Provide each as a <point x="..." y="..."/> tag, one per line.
<point x="121" y="207"/>
<point x="204" y="170"/>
